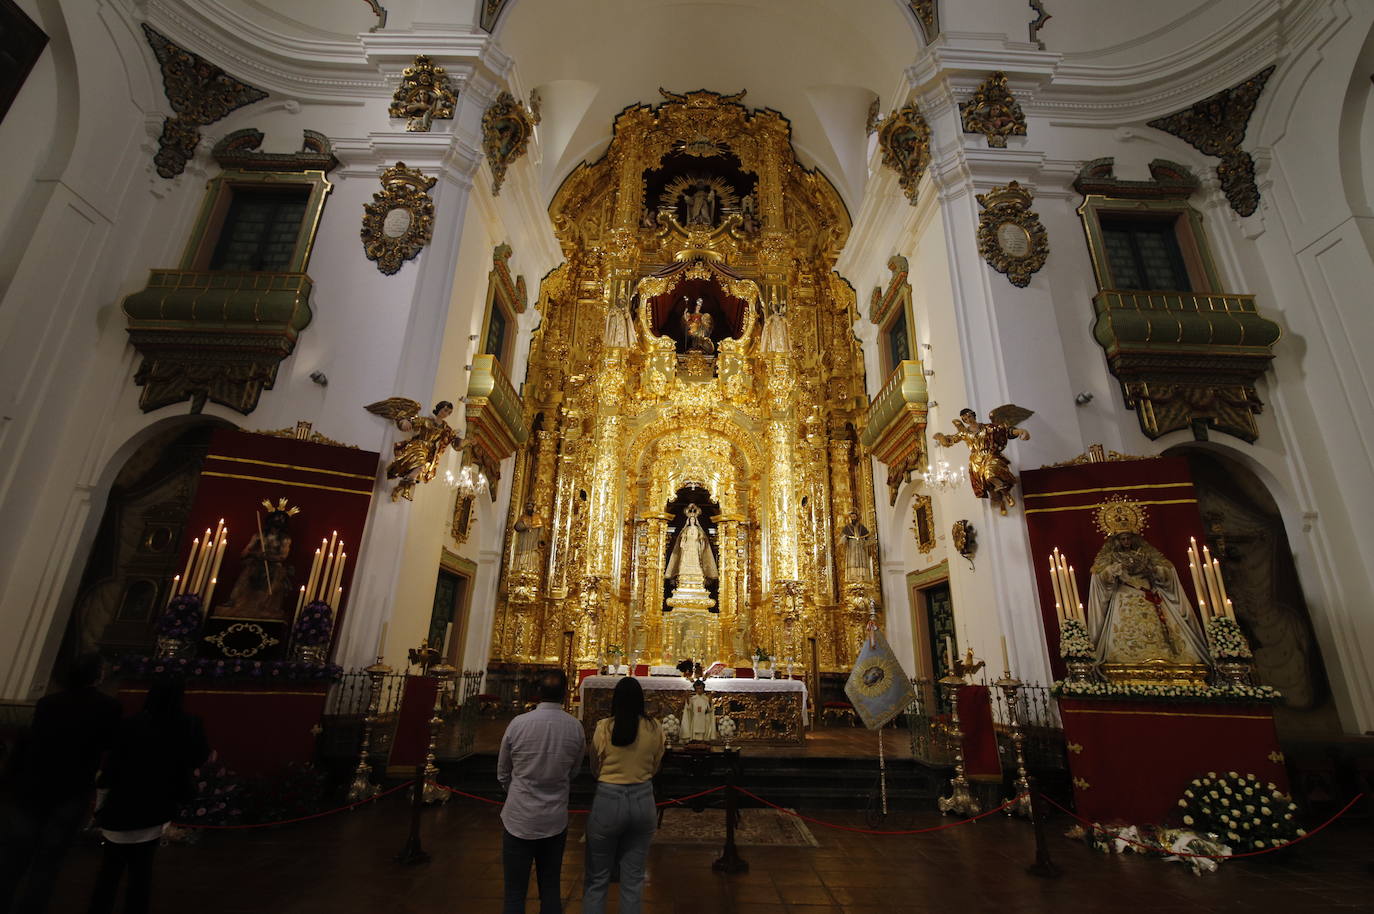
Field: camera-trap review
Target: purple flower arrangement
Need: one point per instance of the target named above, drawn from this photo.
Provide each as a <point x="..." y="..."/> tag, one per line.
<point x="182" y="617"/>
<point x="139" y="666"/>
<point x="314" y="625"/>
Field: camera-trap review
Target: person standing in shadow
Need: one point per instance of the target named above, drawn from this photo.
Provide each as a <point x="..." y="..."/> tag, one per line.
<point x="144" y="781"/>
<point x="626" y="751"/>
<point x="45" y="797"/>
<point x="541" y="753"/>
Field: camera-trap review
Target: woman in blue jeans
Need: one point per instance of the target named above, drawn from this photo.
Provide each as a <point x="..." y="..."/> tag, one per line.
<point x="626" y="751"/>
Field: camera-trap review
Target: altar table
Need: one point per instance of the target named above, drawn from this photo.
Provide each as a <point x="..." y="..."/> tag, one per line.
<point x="764" y="710"/>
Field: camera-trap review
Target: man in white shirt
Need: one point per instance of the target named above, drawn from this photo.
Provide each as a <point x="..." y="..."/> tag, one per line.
<point x="541" y="753"/>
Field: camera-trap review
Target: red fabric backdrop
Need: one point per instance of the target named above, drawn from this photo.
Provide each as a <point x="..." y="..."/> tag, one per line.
<point x="1132" y="760"/>
<point x="411" y="742"/>
<point x="1059" y="512"/>
<point x="980" y="738"/>
<point x="255" y="730"/>
<point x="331" y="485"/>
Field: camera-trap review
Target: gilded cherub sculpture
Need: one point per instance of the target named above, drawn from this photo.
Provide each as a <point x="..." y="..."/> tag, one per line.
<point x="417" y="457"/>
<point x="988" y="471"/>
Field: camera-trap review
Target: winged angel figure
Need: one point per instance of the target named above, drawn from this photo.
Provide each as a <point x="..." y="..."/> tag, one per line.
<point x="988" y="471"/>
<point x="417" y="457"/>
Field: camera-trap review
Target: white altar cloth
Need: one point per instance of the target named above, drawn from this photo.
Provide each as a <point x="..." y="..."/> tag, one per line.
<point x="717" y="684"/>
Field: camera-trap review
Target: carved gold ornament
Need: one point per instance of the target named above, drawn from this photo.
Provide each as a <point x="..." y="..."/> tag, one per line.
<point x="923" y="524"/>
<point x="506" y="130"/>
<point x="904" y="137"/>
<point x="993" y="111"/>
<point x="1120" y="514"/>
<point x="1010" y="236"/>
<point x="400" y="219"/>
<point x="424" y="96"/>
<point x="964" y="538"/>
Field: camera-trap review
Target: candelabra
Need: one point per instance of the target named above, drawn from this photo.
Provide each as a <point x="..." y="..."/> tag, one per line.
<point x="959" y="799"/>
<point x="1010" y="687"/>
<point x="362" y="787"/>
<point x="443" y="673"/>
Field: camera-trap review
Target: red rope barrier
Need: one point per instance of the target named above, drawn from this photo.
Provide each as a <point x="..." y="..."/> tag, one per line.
<point x="875" y="831"/>
<point x="1267" y="850"/>
<point x="317" y="815"/>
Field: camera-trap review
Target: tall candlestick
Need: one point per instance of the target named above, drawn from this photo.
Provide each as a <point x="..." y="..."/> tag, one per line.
<point x="219" y="557"/>
<point x="1006" y="664"/>
<point x="337" y="577"/>
<point x="1054" y="579"/>
<point x="1221" y="582"/>
<point x="197" y="579"/>
<point x="190" y="560"/>
<point x="1230" y="610"/>
<point x="176" y="589"/>
<point x="314" y="572"/>
<point x="1073" y="587"/>
<point x="210" y="591"/>
<point x="1213" y="584"/>
<point x="381" y="641"/>
<point x="300" y="601"/>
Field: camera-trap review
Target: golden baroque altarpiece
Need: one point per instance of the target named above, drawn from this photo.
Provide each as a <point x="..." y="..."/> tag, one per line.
<point x="695" y="348"/>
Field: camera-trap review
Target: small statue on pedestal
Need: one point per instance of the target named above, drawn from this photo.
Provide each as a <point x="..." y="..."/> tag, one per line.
<point x="698" y="716"/>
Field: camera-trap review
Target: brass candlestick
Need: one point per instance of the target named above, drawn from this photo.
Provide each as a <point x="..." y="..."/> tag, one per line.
<point x="362" y="787"/>
<point x="959" y="799"/>
<point x="443" y="673"/>
<point x="1010" y="686"/>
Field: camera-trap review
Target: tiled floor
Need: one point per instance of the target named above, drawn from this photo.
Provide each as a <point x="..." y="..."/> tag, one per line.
<point x="343" y="864"/>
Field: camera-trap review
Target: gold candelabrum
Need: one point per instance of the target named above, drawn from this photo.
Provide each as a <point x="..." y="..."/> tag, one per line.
<point x="960" y="800"/>
<point x="362" y="787"/>
<point x="443" y="673"/>
<point x="1011" y="686"/>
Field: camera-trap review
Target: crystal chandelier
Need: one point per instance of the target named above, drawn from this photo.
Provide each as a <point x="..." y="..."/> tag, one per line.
<point x="942" y="477"/>
<point x="468" y="481"/>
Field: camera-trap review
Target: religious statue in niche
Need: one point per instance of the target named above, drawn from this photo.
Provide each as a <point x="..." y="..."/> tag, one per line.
<point x="701" y="205"/>
<point x="775" y="336"/>
<point x="749" y="214"/>
<point x="620" y="329"/>
<point x="692" y="556"/>
<point x="988" y="471"/>
<point x="265" y="580"/>
<point x="1137" y="609"/>
<point x="697" y="326"/>
<point x="417" y="457"/>
<point x="529" y="539"/>
<point x="856" y="545"/>
<point x="698" y="716"/>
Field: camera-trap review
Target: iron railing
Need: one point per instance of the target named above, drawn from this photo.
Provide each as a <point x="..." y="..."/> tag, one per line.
<point x="1042" y="730"/>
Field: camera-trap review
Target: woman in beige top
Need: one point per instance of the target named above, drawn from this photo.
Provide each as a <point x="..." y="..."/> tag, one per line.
<point x="626" y="750"/>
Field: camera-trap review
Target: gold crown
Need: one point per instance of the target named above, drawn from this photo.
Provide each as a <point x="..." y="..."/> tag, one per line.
<point x="280" y="506"/>
<point x="1120" y="514"/>
<point x="1011" y="195"/>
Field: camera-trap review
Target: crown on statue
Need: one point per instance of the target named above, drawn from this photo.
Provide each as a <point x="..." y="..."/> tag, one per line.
<point x="280" y="506"/>
<point x="1120" y="514"/>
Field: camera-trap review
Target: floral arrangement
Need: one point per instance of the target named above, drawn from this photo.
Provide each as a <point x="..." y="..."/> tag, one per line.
<point x="1074" y="643"/>
<point x="670" y="726"/>
<point x="182" y="617"/>
<point x="1228" y="643"/>
<point x="139" y="666"/>
<point x="726" y="728"/>
<point x="1154" y="840"/>
<point x="614" y="650"/>
<point x="218" y="799"/>
<point x="314" y="625"/>
<point x="1220" y="692"/>
<point x="1239" y="809"/>
<point x="760" y="655"/>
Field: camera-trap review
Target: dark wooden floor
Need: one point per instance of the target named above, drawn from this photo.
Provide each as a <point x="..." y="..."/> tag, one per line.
<point x="344" y="864"/>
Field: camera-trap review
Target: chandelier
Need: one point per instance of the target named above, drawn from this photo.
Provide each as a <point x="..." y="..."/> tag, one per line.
<point x="469" y="481"/>
<point x="942" y="477"/>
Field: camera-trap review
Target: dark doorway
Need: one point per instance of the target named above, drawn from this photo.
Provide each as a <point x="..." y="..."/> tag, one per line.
<point x="940" y="635"/>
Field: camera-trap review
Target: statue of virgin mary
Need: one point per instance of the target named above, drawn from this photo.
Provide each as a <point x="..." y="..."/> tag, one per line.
<point x="691" y="558"/>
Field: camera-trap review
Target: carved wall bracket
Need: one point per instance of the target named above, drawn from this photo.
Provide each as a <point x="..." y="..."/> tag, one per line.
<point x="1010" y="235"/>
<point x="904" y="137"/>
<point x="200" y="93"/>
<point x="240" y="150"/>
<point x="399" y="221"/>
<point x="424" y="95"/>
<point x="506" y="129"/>
<point x="1216" y="126"/>
<point x="993" y="111"/>
<point x="927" y="13"/>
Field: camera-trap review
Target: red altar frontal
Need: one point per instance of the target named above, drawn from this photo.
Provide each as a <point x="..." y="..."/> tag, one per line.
<point x="256" y="729"/>
<point x="1132" y="760"/>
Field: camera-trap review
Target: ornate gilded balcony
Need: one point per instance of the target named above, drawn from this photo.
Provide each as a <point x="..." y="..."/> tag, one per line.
<point x="1187" y="360"/>
<point x="495" y="413"/>
<point x="897" y="419"/>
<point x="216" y="335"/>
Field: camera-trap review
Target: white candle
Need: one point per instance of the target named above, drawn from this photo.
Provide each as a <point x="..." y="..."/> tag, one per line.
<point x="219" y="557"/>
<point x="176" y="588"/>
<point x="1230" y="610"/>
<point x="337" y="579"/>
<point x="1006" y="664"/>
<point x="1073" y="586"/>
<point x="949" y="651"/>
<point x="197" y="580"/>
<point x="190" y="560"/>
<point x="381" y="642"/>
<point x="314" y="573"/>
<point x="1221" y="582"/>
<point x="300" y="601"/>
<point x="210" y="591"/>
<point x="1054" y="580"/>
<point x="1197" y="583"/>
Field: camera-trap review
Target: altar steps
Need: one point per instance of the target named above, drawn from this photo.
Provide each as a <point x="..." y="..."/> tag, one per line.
<point x="796" y="782"/>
